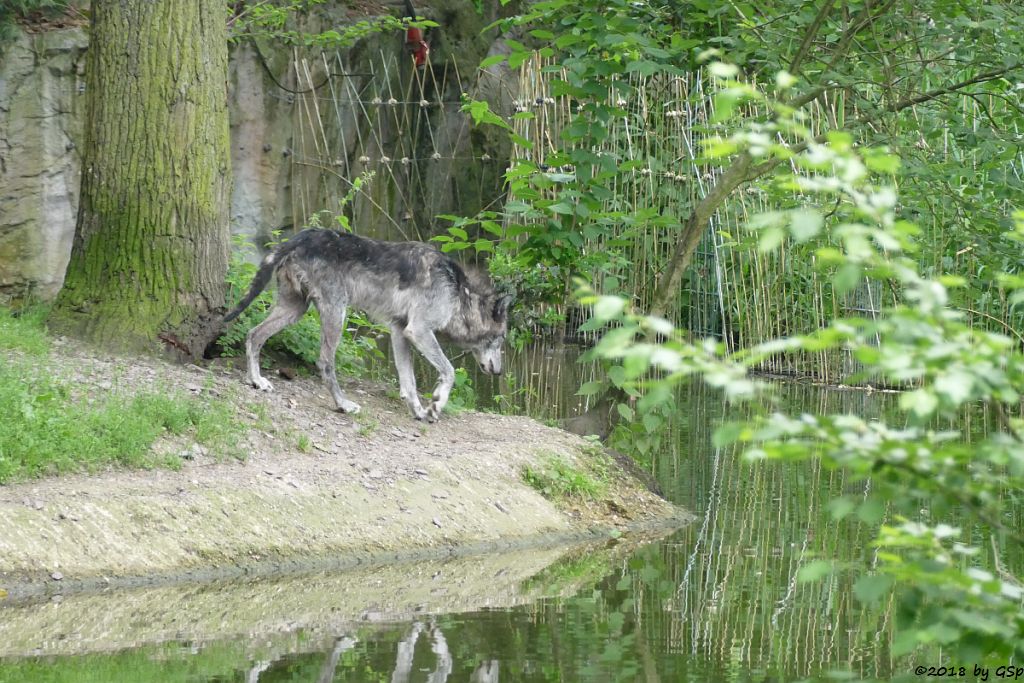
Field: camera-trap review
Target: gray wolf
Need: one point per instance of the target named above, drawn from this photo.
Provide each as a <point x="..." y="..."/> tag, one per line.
<point x="410" y="287"/>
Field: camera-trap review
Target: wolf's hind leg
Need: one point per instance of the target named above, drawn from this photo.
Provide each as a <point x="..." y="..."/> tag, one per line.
<point x="287" y="309"/>
<point x="332" y="324"/>
<point x="425" y="341"/>
<point x="406" y="377"/>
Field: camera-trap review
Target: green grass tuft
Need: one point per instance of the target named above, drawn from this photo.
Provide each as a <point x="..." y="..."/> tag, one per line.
<point x="556" y="479"/>
<point x="24" y="331"/>
<point x="45" y="430"/>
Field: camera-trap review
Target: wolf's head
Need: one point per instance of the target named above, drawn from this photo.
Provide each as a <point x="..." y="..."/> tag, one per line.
<point x="487" y="348"/>
<point x="480" y="321"/>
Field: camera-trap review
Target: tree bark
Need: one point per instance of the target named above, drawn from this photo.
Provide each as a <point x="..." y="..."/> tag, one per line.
<point x="694" y="228"/>
<point x="151" y="242"/>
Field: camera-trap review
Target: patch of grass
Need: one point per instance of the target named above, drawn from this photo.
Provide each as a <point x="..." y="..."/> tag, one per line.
<point x="367" y="425"/>
<point x="556" y="479"/>
<point x="45" y="430"/>
<point x="303" y="443"/>
<point x="263" y="421"/>
<point x="24" y="330"/>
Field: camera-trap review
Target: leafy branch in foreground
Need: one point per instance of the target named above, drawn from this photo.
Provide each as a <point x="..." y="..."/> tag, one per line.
<point x="919" y="471"/>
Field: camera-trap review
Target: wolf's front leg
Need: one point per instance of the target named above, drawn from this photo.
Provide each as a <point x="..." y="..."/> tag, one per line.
<point x="426" y="343"/>
<point x="406" y="378"/>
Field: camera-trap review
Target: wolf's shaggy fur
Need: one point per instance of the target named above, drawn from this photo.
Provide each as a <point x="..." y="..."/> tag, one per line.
<point x="409" y="286"/>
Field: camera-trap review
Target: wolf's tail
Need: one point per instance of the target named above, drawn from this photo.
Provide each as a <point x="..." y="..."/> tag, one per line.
<point x="267" y="267"/>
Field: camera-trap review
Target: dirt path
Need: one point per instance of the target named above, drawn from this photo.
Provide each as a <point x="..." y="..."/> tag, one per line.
<point x="316" y="489"/>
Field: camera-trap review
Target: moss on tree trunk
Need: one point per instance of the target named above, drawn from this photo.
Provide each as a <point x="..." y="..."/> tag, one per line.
<point x="151" y="242"/>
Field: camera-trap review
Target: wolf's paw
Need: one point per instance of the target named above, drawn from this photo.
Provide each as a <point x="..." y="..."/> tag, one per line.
<point x="263" y="384"/>
<point x="433" y="412"/>
<point x="348" y="407"/>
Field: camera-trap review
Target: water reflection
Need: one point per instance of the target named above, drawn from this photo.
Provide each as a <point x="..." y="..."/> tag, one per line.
<point x="718" y="600"/>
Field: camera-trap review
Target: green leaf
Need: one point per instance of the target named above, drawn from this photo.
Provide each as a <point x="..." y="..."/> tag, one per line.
<point x="920" y="402"/>
<point x="805" y="224"/>
<point x="769" y="239"/>
<point x="521" y="141"/>
<point x="871" y="510"/>
<point x="956" y="386"/>
<point x="481" y="112"/>
<point x="562" y="208"/>
<point x="723" y="70"/>
<point x="814" y="571"/>
<point x="590" y="388"/>
<point x="491" y="61"/>
<point x="872" y="588"/>
<point x="847" y="278"/>
<point x="516" y="59"/>
<point x="608" y="307"/>
<point x="727" y="434"/>
<point x="842" y="507"/>
<point x="881" y="162"/>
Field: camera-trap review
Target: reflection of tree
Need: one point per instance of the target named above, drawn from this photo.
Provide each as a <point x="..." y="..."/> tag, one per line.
<point x="258" y="667"/>
<point x="439" y="646"/>
<point x="340" y="645"/>
<point x="485" y="672"/>
<point x="407" y="650"/>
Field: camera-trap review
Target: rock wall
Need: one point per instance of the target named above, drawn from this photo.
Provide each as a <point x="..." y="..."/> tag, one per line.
<point x="41" y="110"/>
<point x="288" y="163"/>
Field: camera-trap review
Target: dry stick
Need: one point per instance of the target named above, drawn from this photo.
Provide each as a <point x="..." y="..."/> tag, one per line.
<point x="320" y="125"/>
<point x="337" y="115"/>
<point x="376" y="139"/>
<point x="408" y="133"/>
<point x="299" y="188"/>
<point x="389" y="166"/>
<point x="316" y="109"/>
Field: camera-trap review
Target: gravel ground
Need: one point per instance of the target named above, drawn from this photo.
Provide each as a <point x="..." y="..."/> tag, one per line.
<point x="315" y="488"/>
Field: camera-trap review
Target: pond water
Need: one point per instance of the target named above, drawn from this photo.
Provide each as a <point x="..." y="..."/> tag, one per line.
<point x="715" y="601"/>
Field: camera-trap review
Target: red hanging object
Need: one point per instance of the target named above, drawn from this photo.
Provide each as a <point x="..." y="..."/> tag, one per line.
<point x="414" y="43"/>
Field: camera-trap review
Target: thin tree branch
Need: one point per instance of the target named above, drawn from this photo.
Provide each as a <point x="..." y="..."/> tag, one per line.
<point x="939" y="92"/>
<point x="864" y="18"/>
<point x="810" y="35"/>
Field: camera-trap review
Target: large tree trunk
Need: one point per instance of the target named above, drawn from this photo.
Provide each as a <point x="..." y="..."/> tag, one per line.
<point x="151" y="243"/>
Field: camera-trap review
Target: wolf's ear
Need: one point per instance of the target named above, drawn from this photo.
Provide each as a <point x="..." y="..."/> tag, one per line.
<point x="500" y="312"/>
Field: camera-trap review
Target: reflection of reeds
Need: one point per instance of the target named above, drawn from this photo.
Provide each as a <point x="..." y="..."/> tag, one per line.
<point x="732" y="291"/>
<point x="737" y="595"/>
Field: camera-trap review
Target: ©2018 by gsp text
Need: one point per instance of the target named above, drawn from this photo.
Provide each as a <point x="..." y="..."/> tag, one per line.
<point x="978" y="672"/>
